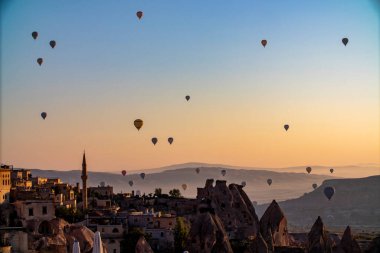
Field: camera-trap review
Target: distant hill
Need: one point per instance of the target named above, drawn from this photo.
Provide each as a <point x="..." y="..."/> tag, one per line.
<point x="285" y="185"/>
<point x="356" y="202"/>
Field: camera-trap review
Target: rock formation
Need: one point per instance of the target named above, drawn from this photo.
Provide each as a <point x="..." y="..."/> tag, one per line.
<point x="318" y="239"/>
<point x="273" y="227"/>
<point x="142" y="246"/>
<point x="348" y="244"/>
<point x="207" y="235"/>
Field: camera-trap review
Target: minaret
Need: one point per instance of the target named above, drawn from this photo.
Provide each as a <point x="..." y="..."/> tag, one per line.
<point x="84" y="180"/>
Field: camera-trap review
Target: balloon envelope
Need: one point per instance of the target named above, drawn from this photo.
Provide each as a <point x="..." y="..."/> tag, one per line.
<point x="184" y="187"/>
<point x="329" y="192"/>
<point x="264" y="42"/>
<point x="139" y="14"/>
<point x="123" y="172"/>
<point x="223" y="172"/>
<point x="243" y="183"/>
<point x="34" y="35"/>
<point x="52" y="43"/>
<point x="138" y="123"/>
<point x="345" y="41"/>
<point x="331" y="170"/>
<point x="170" y="140"/>
<point x="43" y="115"/>
<point x="142" y="175"/>
<point x="308" y="169"/>
<point x="130" y="183"/>
<point x="197" y="170"/>
<point x="187" y="97"/>
<point x="40" y="61"/>
<point x="315" y="186"/>
<point x="286" y="127"/>
<point x="154" y="140"/>
<point x="269" y="181"/>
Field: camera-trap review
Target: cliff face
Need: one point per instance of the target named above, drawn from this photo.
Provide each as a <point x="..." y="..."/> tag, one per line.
<point x="318" y="239"/>
<point x="273" y="226"/>
<point x="348" y="244"/>
<point x="207" y="235"/>
<point x="142" y="246"/>
<point x="233" y="207"/>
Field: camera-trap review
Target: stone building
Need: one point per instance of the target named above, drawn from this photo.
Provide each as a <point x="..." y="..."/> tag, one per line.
<point x="5" y="183"/>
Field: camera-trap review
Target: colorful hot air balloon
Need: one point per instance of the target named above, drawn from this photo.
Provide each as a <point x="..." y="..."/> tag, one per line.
<point x="184" y="187"/>
<point x="139" y="14"/>
<point x="197" y="170"/>
<point x="138" y="123"/>
<point x="35" y="35"/>
<point x="123" y="172"/>
<point x="269" y="181"/>
<point x="154" y="140"/>
<point x="130" y="183"/>
<point x="308" y="169"/>
<point x="52" y="43"/>
<point x="331" y="170"/>
<point x="315" y="186"/>
<point x="264" y="43"/>
<point x="243" y="183"/>
<point x="40" y="61"/>
<point x="170" y="140"/>
<point x="142" y="175"/>
<point x="223" y="172"/>
<point x="43" y="115"/>
<point x="345" y="41"/>
<point x="187" y="97"/>
<point x="286" y="127"/>
<point x="329" y="192"/>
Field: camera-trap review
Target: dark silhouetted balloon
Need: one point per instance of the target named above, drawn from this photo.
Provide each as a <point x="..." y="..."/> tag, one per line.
<point x="184" y="187"/>
<point x="138" y="123"/>
<point x="329" y="192"/>
<point x="223" y="172"/>
<point x="40" y="61"/>
<point x="243" y="183"/>
<point x="139" y="14"/>
<point x="142" y="175"/>
<point x="43" y="115"/>
<point x="286" y="127"/>
<point x="197" y="170"/>
<point x="331" y="170"/>
<point x="345" y="41"/>
<point x="269" y="181"/>
<point x="170" y="140"/>
<point x="123" y="172"/>
<point x="130" y="183"/>
<point x="52" y="43"/>
<point x="35" y="35"/>
<point x="308" y="169"/>
<point x="264" y="43"/>
<point x="154" y="140"/>
<point x="315" y="186"/>
<point x="187" y="97"/>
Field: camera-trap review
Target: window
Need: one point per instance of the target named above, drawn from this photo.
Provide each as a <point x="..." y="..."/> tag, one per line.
<point x="162" y="234"/>
<point x="114" y="251"/>
<point x="115" y="230"/>
<point x="102" y="230"/>
<point x="44" y="210"/>
<point x="30" y="211"/>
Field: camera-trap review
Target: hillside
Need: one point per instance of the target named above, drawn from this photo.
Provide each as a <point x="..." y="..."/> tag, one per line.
<point x="356" y="202"/>
<point x="285" y="185"/>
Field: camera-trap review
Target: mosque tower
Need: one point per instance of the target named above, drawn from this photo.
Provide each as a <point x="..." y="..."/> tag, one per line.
<point x="84" y="180"/>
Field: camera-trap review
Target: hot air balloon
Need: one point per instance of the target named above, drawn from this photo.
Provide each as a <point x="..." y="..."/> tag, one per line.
<point x="243" y="183"/>
<point x="308" y="169"/>
<point x="286" y="127"/>
<point x="130" y="183"/>
<point x="315" y="186"/>
<point x="187" y="97"/>
<point x="43" y="115"/>
<point x="329" y="192"/>
<point x="197" y="170"/>
<point x="223" y="172"/>
<point x="40" y="61"/>
<point x="170" y="140"/>
<point x="154" y="140"/>
<point x="123" y="172"/>
<point x="142" y="175"/>
<point x="35" y="35"/>
<point x="269" y="181"/>
<point x="138" y="123"/>
<point x="184" y="187"/>
<point x="139" y="14"/>
<point x="345" y="41"/>
<point x="52" y="43"/>
<point x="331" y="170"/>
<point x="264" y="43"/>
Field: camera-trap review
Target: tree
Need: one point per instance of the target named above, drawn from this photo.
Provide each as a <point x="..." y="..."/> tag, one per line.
<point x="175" y="193"/>
<point x="128" y="244"/>
<point x="181" y="232"/>
<point x="158" y="192"/>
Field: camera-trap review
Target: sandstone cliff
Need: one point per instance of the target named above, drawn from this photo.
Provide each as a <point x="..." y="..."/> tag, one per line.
<point x="318" y="239"/>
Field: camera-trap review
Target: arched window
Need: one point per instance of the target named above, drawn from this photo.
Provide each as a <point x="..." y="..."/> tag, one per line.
<point x="115" y="230"/>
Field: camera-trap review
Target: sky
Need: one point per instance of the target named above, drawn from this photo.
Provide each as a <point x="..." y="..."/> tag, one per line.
<point x="109" y="68"/>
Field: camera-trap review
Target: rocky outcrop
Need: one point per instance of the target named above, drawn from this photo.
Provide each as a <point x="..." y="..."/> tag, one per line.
<point x="207" y="235"/>
<point x="142" y="246"/>
<point x="318" y="239"/>
<point x="374" y="247"/>
<point x="348" y="244"/>
<point x="274" y="227"/>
